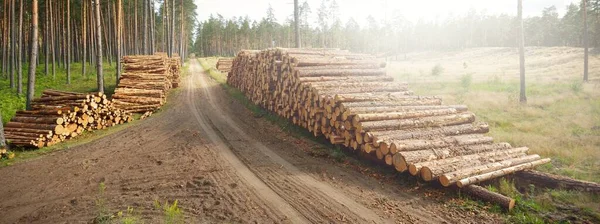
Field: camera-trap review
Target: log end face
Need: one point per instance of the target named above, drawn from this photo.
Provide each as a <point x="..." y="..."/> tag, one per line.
<point x="511" y="205"/>
<point x="412" y="169"/>
<point x="426" y="174"/>
<point x="444" y="180"/>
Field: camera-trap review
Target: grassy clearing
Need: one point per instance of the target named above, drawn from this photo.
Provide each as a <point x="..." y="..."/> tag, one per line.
<point x="10" y="102"/>
<point x="561" y="119"/>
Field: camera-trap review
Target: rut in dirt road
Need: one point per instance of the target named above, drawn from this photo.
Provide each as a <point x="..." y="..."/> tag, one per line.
<point x="315" y="200"/>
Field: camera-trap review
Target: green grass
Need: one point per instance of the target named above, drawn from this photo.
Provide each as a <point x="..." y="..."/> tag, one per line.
<point x="10" y="103"/>
<point x="559" y="121"/>
<point x="79" y="84"/>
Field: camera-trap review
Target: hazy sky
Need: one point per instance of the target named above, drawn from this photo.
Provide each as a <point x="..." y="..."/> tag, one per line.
<point x="379" y="9"/>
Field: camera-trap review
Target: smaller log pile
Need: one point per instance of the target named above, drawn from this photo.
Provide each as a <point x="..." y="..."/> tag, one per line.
<point x="144" y="83"/>
<point x="58" y="116"/>
<point x="225" y="64"/>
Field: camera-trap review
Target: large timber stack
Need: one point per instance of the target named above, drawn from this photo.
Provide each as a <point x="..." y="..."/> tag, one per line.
<point x="144" y="83"/>
<point x="58" y="116"/>
<point x="349" y="99"/>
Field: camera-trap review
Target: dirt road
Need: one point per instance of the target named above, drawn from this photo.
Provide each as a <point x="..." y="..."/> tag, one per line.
<point x="222" y="165"/>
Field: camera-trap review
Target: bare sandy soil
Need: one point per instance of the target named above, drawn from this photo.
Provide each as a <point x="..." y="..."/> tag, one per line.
<point x="207" y="151"/>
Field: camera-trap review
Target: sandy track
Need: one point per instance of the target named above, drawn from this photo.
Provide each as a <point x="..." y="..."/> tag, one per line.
<point x="222" y="164"/>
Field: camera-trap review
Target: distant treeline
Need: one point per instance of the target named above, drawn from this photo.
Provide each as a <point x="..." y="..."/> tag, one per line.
<point x="220" y="36"/>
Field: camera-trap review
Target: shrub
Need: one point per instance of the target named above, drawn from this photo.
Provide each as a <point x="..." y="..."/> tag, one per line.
<point x="437" y="70"/>
<point x="465" y="81"/>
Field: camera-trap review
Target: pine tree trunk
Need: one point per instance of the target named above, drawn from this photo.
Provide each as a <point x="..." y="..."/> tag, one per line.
<point x="2" y="138"/>
<point x="172" y="26"/>
<point x="68" y="45"/>
<point x="34" y="52"/>
<point x="13" y="44"/>
<point x="99" y="76"/>
<point x="523" y="96"/>
<point x="118" y="37"/>
<point x="181" y="35"/>
<point x="135" y="25"/>
<point x="46" y="42"/>
<point x="20" y="52"/>
<point x="52" y="41"/>
<point x="145" y="34"/>
<point x="4" y="37"/>
<point x="585" y="42"/>
<point x="83" y="36"/>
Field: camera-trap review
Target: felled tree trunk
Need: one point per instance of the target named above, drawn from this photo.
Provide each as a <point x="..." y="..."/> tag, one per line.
<point x="557" y="182"/>
<point x="489" y="196"/>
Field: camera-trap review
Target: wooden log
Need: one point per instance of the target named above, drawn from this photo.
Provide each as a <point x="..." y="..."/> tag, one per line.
<point x="27" y="130"/>
<point x="556" y="182"/>
<point x="355" y="97"/>
<point x="302" y="80"/>
<point x="498" y="173"/>
<point x="403" y="159"/>
<point x="339" y="72"/>
<point x="351" y="112"/>
<point x="489" y="196"/>
<point x="39" y="120"/>
<point x="30" y="126"/>
<point x="476" y="159"/>
<point x="379" y="137"/>
<point x="404" y="101"/>
<point x="420" y="144"/>
<point x="422" y="122"/>
<point x="450" y="175"/>
<point x="400" y="115"/>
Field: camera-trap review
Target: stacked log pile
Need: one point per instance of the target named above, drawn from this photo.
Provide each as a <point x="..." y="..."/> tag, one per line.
<point x="144" y="83"/>
<point x="175" y="71"/>
<point x="225" y="64"/>
<point x="349" y="99"/>
<point x="58" y="116"/>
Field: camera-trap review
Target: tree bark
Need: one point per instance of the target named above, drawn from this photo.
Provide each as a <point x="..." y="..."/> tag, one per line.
<point x="585" y="42"/>
<point x="450" y="175"/>
<point x="2" y="138"/>
<point x="99" y="75"/>
<point x="84" y="14"/>
<point x="68" y="45"/>
<point x="52" y="41"/>
<point x="498" y="173"/>
<point x="403" y="159"/>
<point x="475" y="159"/>
<point x="20" y="52"/>
<point x="34" y="52"/>
<point x="296" y="26"/>
<point x="420" y="122"/>
<point x="492" y="197"/>
<point x="557" y="182"/>
<point x="119" y="34"/>
<point x="46" y="37"/>
<point x="13" y="44"/>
